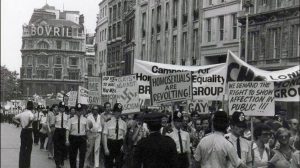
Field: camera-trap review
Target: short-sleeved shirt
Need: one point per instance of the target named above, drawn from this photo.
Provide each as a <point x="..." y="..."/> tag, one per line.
<point x="245" y="148"/>
<point x="257" y="158"/>
<point x="51" y="119"/>
<point x="279" y="160"/>
<point x="25" y="117"/>
<point x="110" y="129"/>
<point x="96" y="123"/>
<point x="38" y="115"/>
<point x="58" y="120"/>
<point x="44" y="119"/>
<point x="214" y="151"/>
<point x="185" y="138"/>
<point x="295" y="163"/>
<point x="72" y="126"/>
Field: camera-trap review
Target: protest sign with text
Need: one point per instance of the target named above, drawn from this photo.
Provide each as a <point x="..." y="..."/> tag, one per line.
<point x="208" y="80"/>
<point x="127" y="93"/>
<point x="170" y="88"/>
<point x="108" y="85"/>
<point x="83" y="95"/>
<point x="72" y="97"/>
<point x="253" y="98"/>
<point x="201" y="106"/>
<point x="94" y="87"/>
<point x="286" y="82"/>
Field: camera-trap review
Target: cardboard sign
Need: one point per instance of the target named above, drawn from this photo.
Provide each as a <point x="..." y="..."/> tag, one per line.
<point x="72" y="97"/>
<point x="252" y="98"/>
<point x="171" y="88"/>
<point x="201" y="106"/>
<point x="94" y="87"/>
<point x="286" y="82"/>
<point x="127" y="93"/>
<point x="208" y="80"/>
<point x="83" y="95"/>
<point x="108" y="85"/>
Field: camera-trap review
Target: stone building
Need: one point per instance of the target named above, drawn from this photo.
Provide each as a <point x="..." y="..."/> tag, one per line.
<point x="53" y="52"/>
<point x="273" y="33"/>
<point x="90" y="63"/>
<point x="101" y="38"/>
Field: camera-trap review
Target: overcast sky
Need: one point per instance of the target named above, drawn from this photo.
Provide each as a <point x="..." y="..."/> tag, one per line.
<point x="14" y="13"/>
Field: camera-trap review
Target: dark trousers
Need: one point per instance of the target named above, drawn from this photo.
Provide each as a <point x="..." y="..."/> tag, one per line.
<point x="35" y="126"/>
<point x="42" y="140"/>
<point x="77" y="143"/>
<point x="182" y="160"/>
<point x="114" y="147"/>
<point x="26" y="147"/>
<point x="59" y="141"/>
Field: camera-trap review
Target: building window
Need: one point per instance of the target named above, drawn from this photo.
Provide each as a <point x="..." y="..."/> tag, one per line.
<point x="295" y="41"/>
<point x="221" y="27"/>
<point x="196" y="9"/>
<point x="73" y="61"/>
<point x="184" y="7"/>
<point x="57" y="74"/>
<point x="29" y="60"/>
<point x="208" y="24"/>
<point x="114" y="12"/>
<point x="234" y="26"/>
<point x="185" y="45"/>
<point x="195" y="43"/>
<point x="158" y="16"/>
<point x="42" y="74"/>
<point x="174" y="53"/>
<point x="167" y="11"/>
<point x="73" y="45"/>
<point x="175" y="8"/>
<point x="109" y="33"/>
<point x="264" y="2"/>
<point x="143" y="52"/>
<point x="43" y="45"/>
<point x="253" y="46"/>
<point x="73" y="75"/>
<point x="58" y="44"/>
<point x="144" y="24"/>
<point x="166" y="55"/>
<point x="275" y="39"/>
<point x="114" y="31"/>
<point x="119" y="10"/>
<point x="158" y="52"/>
<point x="58" y="60"/>
<point x="183" y="61"/>
<point x="152" y="21"/>
<point x="210" y="2"/>
<point x="110" y="15"/>
<point x="90" y="70"/>
<point x="42" y="60"/>
<point x="29" y="73"/>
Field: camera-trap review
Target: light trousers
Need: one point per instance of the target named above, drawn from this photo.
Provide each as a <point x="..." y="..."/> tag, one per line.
<point x="93" y="149"/>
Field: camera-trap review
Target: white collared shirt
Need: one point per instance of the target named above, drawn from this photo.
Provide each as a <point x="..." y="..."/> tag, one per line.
<point x="185" y="138"/>
<point x="110" y="129"/>
<point x="96" y="123"/>
<point x="58" y="120"/>
<point x="25" y="117"/>
<point x="73" y="126"/>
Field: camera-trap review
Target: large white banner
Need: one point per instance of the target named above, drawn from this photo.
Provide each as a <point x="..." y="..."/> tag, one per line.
<point x="108" y="85"/>
<point x="286" y="82"/>
<point x="83" y="95"/>
<point x="208" y="81"/>
<point x="94" y="87"/>
<point x="170" y="88"/>
<point x="127" y="93"/>
<point x="253" y="98"/>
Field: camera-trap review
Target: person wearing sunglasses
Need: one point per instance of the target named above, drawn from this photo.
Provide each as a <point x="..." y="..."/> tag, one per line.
<point x="282" y="156"/>
<point x="294" y="129"/>
<point x="260" y="147"/>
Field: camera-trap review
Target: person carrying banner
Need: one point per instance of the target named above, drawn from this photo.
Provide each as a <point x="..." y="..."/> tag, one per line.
<point x="113" y="135"/>
<point x="242" y="146"/>
<point x="182" y="140"/>
<point x="94" y="138"/>
<point x="214" y="151"/>
<point x="59" y="140"/>
<point x="76" y="137"/>
<point x="25" y="119"/>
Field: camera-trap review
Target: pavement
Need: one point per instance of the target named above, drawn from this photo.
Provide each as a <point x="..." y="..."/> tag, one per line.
<point x="10" y="148"/>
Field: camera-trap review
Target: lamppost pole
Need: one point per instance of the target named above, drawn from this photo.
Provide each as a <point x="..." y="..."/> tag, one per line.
<point x="246" y="39"/>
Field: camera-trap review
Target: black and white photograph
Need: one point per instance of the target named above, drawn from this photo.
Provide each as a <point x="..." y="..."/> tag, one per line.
<point x="150" y="84"/>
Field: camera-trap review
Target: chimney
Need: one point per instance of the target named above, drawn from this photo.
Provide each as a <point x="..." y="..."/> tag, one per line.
<point x="81" y="19"/>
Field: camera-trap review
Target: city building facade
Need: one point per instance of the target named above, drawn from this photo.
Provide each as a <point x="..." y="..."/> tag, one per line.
<point x="90" y="63"/>
<point x="101" y="38"/>
<point x="53" y="52"/>
<point x="115" y="60"/>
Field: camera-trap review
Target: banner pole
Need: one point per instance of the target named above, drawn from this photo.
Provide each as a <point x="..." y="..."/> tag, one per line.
<point x="252" y="138"/>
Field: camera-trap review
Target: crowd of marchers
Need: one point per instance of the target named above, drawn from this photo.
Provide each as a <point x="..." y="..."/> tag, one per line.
<point x="87" y="136"/>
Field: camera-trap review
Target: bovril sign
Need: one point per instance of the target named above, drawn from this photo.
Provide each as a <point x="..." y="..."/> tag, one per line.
<point x="53" y="31"/>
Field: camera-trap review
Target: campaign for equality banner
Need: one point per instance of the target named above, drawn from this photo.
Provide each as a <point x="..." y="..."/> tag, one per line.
<point x="171" y="87"/>
<point x="286" y="82"/>
<point x="208" y="81"/>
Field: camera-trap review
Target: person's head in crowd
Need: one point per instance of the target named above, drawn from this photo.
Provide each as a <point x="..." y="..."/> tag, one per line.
<point x="262" y="132"/>
<point x="30" y="105"/>
<point x="293" y="124"/>
<point x="61" y="107"/>
<point x="205" y="123"/>
<point x="45" y="110"/>
<point x="186" y="117"/>
<point x="117" y="110"/>
<point x="195" y="115"/>
<point x="107" y="107"/>
<point x="72" y="111"/>
<point x="198" y="125"/>
<point x="283" y="136"/>
<point x="177" y="119"/>
<point x="95" y="110"/>
<point x="220" y="121"/>
<point x="55" y="108"/>
<point x="238" y="123"/>
<point x="39" y="108"/>
<point x="153" y="121"/>
<point x="79" y="109"/>
<point x="165" y="120"/>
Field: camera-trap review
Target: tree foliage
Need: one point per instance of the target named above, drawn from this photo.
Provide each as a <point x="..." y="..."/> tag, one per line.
<point x="10" y="85"/>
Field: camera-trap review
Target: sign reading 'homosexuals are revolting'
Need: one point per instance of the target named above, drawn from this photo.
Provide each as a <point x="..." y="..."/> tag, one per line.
<point x="172" y="87"/>
<point x="252" y="98"/>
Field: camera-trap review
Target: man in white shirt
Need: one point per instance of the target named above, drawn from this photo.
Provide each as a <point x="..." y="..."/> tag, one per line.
<point x="25" y="119"/>
<point x="94" y="138"/>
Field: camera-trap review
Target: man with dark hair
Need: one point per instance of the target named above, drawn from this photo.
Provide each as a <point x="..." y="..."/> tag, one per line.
<point x="155" y="151"/>
<point x="25" y="119"/>
<point x="214" y="151"/>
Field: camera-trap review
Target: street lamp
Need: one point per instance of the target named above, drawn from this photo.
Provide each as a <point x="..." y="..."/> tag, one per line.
<point x="247" y="5"/>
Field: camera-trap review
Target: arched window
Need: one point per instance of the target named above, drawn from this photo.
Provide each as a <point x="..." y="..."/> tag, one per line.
<point x="43" y="45"/>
